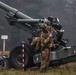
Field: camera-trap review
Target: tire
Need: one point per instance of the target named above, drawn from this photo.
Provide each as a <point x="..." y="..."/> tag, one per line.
<point x="16" y="58"/>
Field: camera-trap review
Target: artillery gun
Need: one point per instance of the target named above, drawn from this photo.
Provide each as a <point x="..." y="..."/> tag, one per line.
<point x="60" y="55"/>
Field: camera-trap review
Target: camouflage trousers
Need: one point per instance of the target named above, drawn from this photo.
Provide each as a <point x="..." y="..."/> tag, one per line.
<point x="45" y="55"/>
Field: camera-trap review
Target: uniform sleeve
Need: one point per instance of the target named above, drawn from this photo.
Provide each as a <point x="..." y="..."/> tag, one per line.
<point x="47" y="40"/>
<point x="34" y="41"/>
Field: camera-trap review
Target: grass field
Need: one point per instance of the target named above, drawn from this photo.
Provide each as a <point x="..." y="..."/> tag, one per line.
<point x="67" y="69"/>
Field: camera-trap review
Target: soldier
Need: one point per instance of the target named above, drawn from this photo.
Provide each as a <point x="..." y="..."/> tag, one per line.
<point x="44" y="42"/>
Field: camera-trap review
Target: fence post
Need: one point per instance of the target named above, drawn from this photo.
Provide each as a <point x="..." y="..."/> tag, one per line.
<point x="22" y="55"/>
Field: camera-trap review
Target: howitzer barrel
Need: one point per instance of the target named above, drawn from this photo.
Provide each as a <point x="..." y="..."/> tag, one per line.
<point x="30" y="20"/>
<point x="17" y="13"/>
<point x="19" y="19"/>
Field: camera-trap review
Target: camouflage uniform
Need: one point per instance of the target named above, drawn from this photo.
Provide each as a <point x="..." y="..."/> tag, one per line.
<point x="36" y="43"/>
<point x="46" y="45"/>
<point x="45" y="42"/>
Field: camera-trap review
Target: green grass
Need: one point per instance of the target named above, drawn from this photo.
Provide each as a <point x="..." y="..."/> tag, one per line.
<point x="36" y="72"/>
<point x="68" y="69"/>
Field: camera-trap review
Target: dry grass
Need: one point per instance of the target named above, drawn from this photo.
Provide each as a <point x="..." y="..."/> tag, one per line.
<point x="6" y="53"/>
<point x="67" y="69"/>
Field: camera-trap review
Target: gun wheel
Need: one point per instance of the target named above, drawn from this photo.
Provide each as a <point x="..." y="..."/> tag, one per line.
<point x="16" y="58"/>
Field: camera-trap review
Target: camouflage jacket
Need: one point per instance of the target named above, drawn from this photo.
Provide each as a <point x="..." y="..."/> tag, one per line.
<point x="46" y="39"/>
